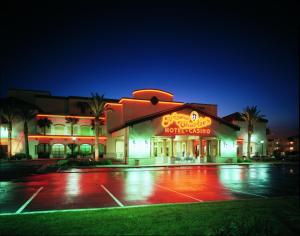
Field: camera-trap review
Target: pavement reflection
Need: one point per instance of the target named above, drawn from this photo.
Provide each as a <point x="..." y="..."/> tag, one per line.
<point x="136" y="186"/>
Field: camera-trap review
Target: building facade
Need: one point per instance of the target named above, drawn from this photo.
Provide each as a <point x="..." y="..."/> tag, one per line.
<point x="149" y="127"/>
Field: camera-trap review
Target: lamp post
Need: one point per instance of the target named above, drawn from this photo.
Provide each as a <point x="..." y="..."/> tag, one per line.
<point x="262" y="147"/>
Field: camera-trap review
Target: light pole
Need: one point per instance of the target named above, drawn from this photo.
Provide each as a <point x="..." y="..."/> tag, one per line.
<point x="262" y="147"/>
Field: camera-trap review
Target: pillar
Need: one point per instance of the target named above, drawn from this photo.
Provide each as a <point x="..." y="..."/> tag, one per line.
<point x="65" y="150"/>
<point x="172" y="147"/>
<point x="200" y="147"/>
<point x="164" y="148"/>
<point x="126" y="146"/>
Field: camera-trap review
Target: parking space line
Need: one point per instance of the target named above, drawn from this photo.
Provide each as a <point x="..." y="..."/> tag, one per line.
<point x="199" y="200"/>
<point x="28" y="201"/>
<point x="113" y="197"/>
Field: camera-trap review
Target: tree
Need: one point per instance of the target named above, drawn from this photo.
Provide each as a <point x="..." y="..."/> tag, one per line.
<point x="44" y="124"/>
<point x="251" y="114"/>
<point x="97" y="107"/>
<point x="27" y="112"/>
<point x="72" y="121"/>
<point x="9" y="113"/>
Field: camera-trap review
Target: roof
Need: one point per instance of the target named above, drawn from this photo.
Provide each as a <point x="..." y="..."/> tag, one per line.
<point x="178" y="108"/>
<point x="236" y="116"/>
<point x="29" y="90"/>
<point x="76" y="97"/>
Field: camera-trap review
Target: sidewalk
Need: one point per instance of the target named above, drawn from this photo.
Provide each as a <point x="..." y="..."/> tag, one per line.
<point x="172" y="165"/>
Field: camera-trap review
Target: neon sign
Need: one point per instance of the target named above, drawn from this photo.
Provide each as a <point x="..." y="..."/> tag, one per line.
<point x="182" y="124"/>
<point x="184" y="121"/>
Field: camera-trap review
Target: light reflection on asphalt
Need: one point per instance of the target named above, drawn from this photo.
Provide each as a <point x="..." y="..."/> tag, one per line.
<point x="139" y="186"/>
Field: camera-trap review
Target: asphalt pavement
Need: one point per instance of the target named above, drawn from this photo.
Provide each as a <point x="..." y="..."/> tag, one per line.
<point x="121" y="187"/>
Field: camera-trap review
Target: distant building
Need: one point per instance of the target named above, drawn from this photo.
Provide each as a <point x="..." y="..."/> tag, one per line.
<point x="283" y="146"/>
<point x="292" y="144"/>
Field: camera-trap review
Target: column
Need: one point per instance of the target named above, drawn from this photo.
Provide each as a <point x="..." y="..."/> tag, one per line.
<point x="172" y="147"/>
<point x="205" y="155"/>
<point x="164" y="148"/>
<point x="200" y="148"/>
<point x="126" y="146"/>
<point x="191" y="148"/>
<point x="65" y="150"/>
<point x="171" y="151"/>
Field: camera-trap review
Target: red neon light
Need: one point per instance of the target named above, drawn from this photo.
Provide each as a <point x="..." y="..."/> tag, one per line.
<point x="152" y="90"/>
<point x="67" y="116"/>
<point x="64" y="136"/>
<point x="147" y="101"/>
<point x="240" y="141"/>
<point x="113" y="104"/>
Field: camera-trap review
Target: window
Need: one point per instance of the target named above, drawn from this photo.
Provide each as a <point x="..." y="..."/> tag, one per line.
<point x="58" y="150"/>
<point x="59" y="129"/>
<point x="85" y="150"/>
<point x="85" y="130"/>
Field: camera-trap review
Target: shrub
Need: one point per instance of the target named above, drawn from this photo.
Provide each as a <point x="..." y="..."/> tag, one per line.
<point x="62" y="162"/>
<point x="241" y="160"/>
<point x="104" y="162"/>
<point x="89" y="163"/>
<point x="3" y="154"/>
<point x="20" y="156"/>
<point x="75" y="155"/>
<point x="43" y="155"/>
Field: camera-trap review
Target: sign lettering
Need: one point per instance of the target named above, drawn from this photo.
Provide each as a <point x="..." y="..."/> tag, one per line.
<point x="182" y="124"/>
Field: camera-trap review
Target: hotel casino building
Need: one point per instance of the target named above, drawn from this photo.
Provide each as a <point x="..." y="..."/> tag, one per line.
<point x="149" y="127"/>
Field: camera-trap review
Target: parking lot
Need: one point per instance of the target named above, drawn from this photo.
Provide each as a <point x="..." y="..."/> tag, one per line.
<point x="121" y="187"/>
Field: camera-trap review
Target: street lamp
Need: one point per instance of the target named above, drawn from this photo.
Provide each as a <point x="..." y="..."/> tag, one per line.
<point x="262" y="147"/>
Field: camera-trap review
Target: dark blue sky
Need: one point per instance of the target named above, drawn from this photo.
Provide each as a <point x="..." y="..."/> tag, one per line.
<point x="230" y="55"/>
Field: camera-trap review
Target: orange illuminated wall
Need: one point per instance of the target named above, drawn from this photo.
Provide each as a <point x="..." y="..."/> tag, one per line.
<point x="140" y="105"/>
<point x="114" y="113"/>
<point x="149" y="93"/>
<point x="136" y="108"/>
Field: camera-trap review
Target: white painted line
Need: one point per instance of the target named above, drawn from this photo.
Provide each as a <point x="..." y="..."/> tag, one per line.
<point x="28" y="201"/>
<point x="97" y="209"/>
<point x="113" y="197"/>
<point x="238" y="191"/>
<point x="199" y="200"/>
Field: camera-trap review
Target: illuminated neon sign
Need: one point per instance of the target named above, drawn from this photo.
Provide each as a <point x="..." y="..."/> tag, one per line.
<point x="182" y="124"/>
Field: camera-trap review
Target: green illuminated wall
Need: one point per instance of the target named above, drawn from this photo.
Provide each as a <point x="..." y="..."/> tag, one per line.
<point x="139" y="139"/>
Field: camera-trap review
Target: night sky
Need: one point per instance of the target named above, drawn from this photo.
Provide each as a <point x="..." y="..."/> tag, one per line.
<point x="219" y="53"/>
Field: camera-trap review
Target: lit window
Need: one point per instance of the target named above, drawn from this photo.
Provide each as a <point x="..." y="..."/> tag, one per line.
<point x="291" y="142"/>
<point x="277" y="142"/>
<point x="291" y="148"/>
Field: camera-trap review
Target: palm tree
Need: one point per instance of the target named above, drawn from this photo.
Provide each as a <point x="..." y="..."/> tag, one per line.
<point x="44" y="124"/>
<point x="9" y="113"/>
<point x="27" y="113"/>
<point x="251" y="115"/>
<point x="72" y="121"/>
<point x="97" y="107"/>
